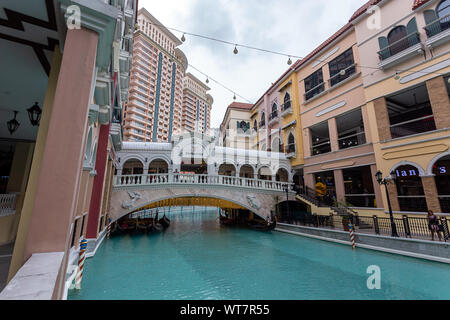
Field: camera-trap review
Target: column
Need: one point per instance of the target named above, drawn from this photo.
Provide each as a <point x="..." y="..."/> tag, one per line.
<point x="99" y="179"/>
<point x="339" y="184"/>
<point x="332" y="128"/>
<point x="382" y="117"/>
<point x="307" y="142"/>
<point x="366" y="121"/>
<point x="376" y="187"/>
<point x="431" y="193"/>
<point x="18" y="257"/>
<point x="437" y="91"/>
<point x="310" y="181"/>
<point x="62" y="161"/>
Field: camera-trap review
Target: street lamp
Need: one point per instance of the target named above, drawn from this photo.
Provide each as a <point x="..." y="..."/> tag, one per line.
<point x="385" y="182"/>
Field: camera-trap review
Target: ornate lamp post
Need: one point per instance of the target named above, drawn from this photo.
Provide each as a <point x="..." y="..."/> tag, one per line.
<point x="385" y="182"/>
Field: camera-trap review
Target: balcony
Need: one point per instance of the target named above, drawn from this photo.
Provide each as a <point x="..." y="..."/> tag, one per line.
<point x="401" y="50"/>
<point x="286" y="109"/>
<point x="438" y="32"/>
<point x="415" y="126"/>
<point x="262" y="124"/>
<point x="291" y="151"/>
<point x="273" y="118"/>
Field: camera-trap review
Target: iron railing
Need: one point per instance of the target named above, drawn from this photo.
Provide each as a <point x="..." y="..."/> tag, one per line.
<point x="415" y="126"/>
<point x="7" y="204"/>
<point x="287" y="105"/>
<point x="407" y="227"/>
<point x="353" y="140"/>
<point x="290" y="148"/>
<point x="321" y="148"/>
<point x="361" y="200"/>
<point x="399" y="46"/>
<point x="438" y="26"/>
<point x="315" y="91"/>
<point x="337" y="78"/>
<point x="273" y="115"/>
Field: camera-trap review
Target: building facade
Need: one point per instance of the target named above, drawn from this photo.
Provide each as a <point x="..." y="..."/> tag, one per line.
<point x="408" y="99"/>
<point x="154" y="108"/>
<point x="236" y="131"/>
<point x="197" y="104"/>
<point x="62" y="152"/>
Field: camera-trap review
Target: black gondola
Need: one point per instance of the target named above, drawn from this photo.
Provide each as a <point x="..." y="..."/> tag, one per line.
<point x="145" y="225"/>
<point x="164" y="222"/>
<point x="227" y="221"/>
<point x="267" y="226"/>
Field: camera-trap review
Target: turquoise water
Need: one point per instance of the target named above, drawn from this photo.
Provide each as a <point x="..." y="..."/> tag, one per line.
<point x="197" y="259"/>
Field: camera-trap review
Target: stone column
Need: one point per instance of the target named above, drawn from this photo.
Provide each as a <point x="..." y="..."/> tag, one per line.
<point x="431" y="193"/>
<point x="366" y="121"/>
<point x="382" y="117"/>
<point x="62" y="161"/>
<point x="333" y="131"/>
<point x="437" y="91"/>
<point x="309" y="181"/>
<point x="377" y="187"/>
<point x="339" y="184"/>
<point x="307" y="142"/>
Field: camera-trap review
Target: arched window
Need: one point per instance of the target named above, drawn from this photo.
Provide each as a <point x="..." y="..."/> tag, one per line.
<point x="287" y="101"/>
<point x="274" y="112"/>
<point x="397" y="40"/>
<point x="441" y="171"/>
<point x="291" y="144"/>
<point x="255" y="125"/>
<point x="274" y="107"/>
<point x="262" y="123"/>
<point x="411" y="195"/>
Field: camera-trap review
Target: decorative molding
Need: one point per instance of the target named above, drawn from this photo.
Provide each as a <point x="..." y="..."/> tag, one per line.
<point x="323" y="58"/>
<point x="135" y="196"/>
<point x="426" y="71"/>
<point x="332" y="108"/>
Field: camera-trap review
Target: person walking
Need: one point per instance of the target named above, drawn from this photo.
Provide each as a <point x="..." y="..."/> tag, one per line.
<point x="433" y="225"/>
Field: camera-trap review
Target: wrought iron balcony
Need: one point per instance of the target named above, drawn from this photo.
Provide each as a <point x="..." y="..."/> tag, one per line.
<point x="438" y="31"/>
<point x="400" y="50"/>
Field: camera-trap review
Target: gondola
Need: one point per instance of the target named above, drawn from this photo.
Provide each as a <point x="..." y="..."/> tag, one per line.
<point x="164" y="222"/>
<point x="145" y="225"/>
<point x="227" y="221"/>
<point x="126" y="226"/>
<point x="267" y="226"/>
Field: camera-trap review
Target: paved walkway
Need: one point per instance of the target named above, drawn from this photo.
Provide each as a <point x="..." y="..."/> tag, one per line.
<point x="5" y="259"/>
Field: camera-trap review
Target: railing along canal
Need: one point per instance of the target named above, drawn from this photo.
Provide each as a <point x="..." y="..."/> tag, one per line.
<point x="7" y="204"/>
<point x="197" y="179"/>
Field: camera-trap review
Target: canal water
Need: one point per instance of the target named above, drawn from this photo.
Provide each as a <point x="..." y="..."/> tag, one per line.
<point x="197" y="259"/>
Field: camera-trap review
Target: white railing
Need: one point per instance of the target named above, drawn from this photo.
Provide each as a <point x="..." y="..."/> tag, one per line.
<point x="7" y="204"/>
<point x="197" y="179"/>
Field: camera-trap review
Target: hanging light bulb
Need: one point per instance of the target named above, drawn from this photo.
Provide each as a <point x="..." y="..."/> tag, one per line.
<point x="207" y="80"/>
<point x="183" y="38"/>
<point x="397" y="76"/>
<point x="235" y="50"/>
<point x="289" y="61"/>
<point x="234" y="97"/>
<point x="342" y="72"/>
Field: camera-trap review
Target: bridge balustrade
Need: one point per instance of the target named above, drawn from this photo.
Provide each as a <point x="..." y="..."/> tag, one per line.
<point x="198" y="179"/>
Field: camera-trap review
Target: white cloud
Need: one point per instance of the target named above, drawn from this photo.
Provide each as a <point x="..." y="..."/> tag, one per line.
<point x="290" y="26"/>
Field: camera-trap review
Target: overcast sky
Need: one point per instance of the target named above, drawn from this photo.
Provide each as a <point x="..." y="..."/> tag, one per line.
<point x="290" y="26"/>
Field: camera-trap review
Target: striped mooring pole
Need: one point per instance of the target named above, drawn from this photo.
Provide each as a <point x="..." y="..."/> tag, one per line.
<point x="108" y="233"/>
<point x="352" y="235"/>
<point x="82" y="257"/>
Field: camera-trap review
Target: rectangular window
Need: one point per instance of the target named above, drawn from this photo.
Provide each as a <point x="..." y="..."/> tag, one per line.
<point x="342" y="67"/>
<point x="320" y="139"/>
<point x="314" y="84"/>
<point x="359" y="189"/>
<point x="350" y="128"/>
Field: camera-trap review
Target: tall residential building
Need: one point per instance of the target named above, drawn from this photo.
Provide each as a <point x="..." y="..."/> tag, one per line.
<point x="154" y="108"/>
<point x="197" y="104"/>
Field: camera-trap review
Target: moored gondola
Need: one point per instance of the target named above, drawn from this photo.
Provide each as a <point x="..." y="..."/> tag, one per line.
<point x="164" y="222"/>
<point x="126" y="226"/>
<point x="266" y="226"/>
<point x="145" y="225"/>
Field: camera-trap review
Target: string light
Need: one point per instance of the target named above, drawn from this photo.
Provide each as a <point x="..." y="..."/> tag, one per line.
<point x="235" y="51"/>
<point x="289" y="61"/>
<point x="183" y="38"/>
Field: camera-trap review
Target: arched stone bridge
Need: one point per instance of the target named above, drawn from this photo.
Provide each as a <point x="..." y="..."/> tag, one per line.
<point x="133" y="192"/>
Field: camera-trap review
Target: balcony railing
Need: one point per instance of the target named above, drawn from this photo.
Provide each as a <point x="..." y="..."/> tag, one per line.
<point x="399" y="46"/>
<point x="197" y="179"/>
<point x="337" y="78"/>
<point x="315" y="91"/>
<point x="352" y="140"/>
<point x="7" y="204"/>
<point x="290" y="148"/>
<point x="286" y="106"/>
<point x="321" y="148"/>
<point x="262" y="124"/>
<point x="415" y="126"/>
<point x="413" y="203"/>
<point x="437" y="26"/>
